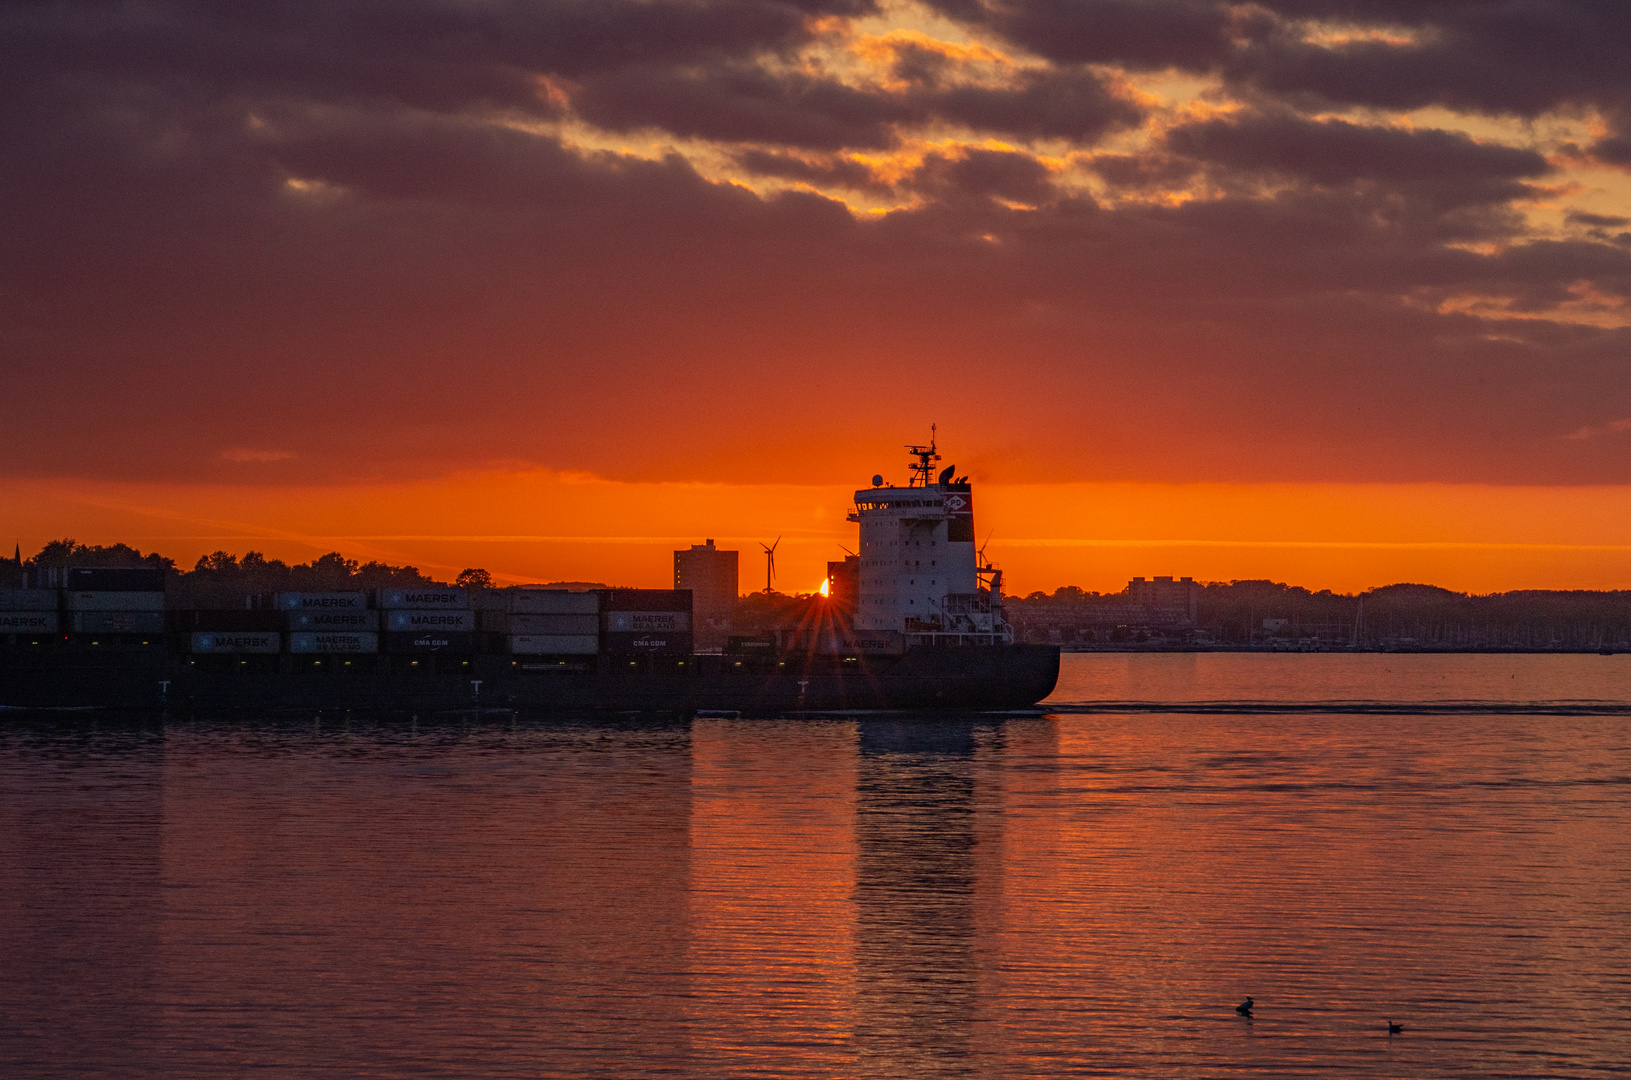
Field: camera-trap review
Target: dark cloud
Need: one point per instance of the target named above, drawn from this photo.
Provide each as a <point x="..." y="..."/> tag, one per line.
<point x="304" y="227"/>
<point x="307" y="43"/>
<point x="1518" y="57"/>
<point x="756" y="104"/>
<point x="1522" y="57"/>
<point x="1601" y="221"/>
<point x="999" y="174"/>
<point x="1135" y="33"/>
<point x="1613" y="149"/>
<point x="830" y="170"/>
<point x="1068" y="104"/>
<point x="1448" y="168"/>
<point x="744" y="103"/>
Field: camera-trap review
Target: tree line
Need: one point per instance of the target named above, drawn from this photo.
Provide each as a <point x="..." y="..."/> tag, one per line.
<point x="222" y="578"/>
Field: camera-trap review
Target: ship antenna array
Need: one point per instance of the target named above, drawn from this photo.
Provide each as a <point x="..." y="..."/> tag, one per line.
<point x="923" y="468"/>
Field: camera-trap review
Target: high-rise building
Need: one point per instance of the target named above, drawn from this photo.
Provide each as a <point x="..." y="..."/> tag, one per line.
<point x="711" y="575"/>
<point x="1166" y="600"/>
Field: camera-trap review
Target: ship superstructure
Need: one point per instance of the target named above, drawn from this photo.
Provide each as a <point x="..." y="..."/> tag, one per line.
<point x="920" y="573"/>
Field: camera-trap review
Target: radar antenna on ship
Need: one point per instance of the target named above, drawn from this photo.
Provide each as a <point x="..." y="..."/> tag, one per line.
<point x="923" y="469"/>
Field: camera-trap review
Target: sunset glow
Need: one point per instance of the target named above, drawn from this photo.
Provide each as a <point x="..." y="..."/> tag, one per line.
<point x="538" y="526"/>
<point x="1285" y="291"/>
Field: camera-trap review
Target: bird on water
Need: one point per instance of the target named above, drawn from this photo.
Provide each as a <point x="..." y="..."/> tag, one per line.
<point x="1245" y="1007"/>
<point x="1394" y="1029"/>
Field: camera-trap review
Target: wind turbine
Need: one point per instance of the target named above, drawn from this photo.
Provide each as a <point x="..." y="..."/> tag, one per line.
<point x="770" y="561"/>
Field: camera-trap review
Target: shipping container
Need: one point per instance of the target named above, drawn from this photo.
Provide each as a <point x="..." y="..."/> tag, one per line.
<point x="555" y="624"/>
<point x="114" y="601"/>
<point x="493" y="622"/>
<point x="656" y="622"/>
<point x="555" y="644"/>
<point x="741" y="644"/>
<point x="353" y="620"/>
<point x="322" y="601"/>
<point x="118" y="622"/>
<point x="227" y="620"/>
<point x="437" y="622"/>
<point x="490" y="599"/>
<point x="667" y="644"/>
<point x="647" y="599"/>
<point x="554" y="602"/>
<point x="251" y="641"/>
<point x="333" y="641"/>
<point x="428" y="597"/>
<point x="421" y="643"/>
<point x="28" y="599"/>
<point x="110" y="579"/>
<point x="28" y="622"/>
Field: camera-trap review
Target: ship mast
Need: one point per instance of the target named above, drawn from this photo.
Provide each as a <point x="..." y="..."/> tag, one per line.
<point x="923" y="469"/>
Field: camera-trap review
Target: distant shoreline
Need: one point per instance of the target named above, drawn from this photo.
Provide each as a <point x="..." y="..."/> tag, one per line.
<point x="1129" y="647"/>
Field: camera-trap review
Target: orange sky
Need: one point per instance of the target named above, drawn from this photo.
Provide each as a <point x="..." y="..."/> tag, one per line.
<point x="1328" y="293"/>
<point x="537" y="526"/>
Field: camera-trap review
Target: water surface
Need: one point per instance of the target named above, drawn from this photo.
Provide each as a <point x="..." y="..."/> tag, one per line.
<point x="1079" y="893"/>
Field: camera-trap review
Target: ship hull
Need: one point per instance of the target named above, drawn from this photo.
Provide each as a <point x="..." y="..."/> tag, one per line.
<point x="925" y="677"/>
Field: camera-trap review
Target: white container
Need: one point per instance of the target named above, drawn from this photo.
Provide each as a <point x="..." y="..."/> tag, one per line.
<point x="490" y="599"/>
<point x="28" y="622"/>
<point x="428" y="597"/>
<point x="339" y="620"/>
<point x="118" y="622"/>
<point x="554" y="602"/>
<point x="115" y="601"/>
<point x="430" y="622"/>
<point x="648" y="622"/>
<point x="554" y="624"/>
<point x="555" y="644"/>
<point x="493" y="622"/>
<point x="322" y="601"/>
<point x="28" y="599"/>
<point x="333" y="642"/>
<point x="249" y="641"/>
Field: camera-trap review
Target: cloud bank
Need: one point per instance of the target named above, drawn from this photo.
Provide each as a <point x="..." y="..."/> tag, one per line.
<point x="757" y="240"/>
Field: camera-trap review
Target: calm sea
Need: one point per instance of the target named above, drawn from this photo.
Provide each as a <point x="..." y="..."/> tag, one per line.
<point x="1444" y="841"/>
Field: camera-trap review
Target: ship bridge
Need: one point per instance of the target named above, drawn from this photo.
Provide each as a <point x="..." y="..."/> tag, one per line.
<point x="920" y="574"/>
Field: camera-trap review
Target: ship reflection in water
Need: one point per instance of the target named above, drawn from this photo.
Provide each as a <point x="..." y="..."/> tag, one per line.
<point x="858" y="897"/>
<point x="916" y="972"/>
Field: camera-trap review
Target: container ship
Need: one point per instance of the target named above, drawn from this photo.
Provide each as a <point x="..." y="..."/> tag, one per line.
<point x="915" y="622"/>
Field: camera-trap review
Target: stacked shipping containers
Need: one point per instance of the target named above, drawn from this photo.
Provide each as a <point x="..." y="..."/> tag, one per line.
<point x="407" y="620"/>
<point x="646" y="621"/>
<point x="329" y="622"/>
<point x="105" y="600"/>
<point x="428" y="619"/>
<point x="551" y="622"/>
